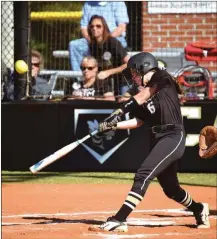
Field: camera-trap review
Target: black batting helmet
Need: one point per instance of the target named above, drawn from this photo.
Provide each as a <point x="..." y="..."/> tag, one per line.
<point x="143" y="62"/>
<point x="140" y="64"/>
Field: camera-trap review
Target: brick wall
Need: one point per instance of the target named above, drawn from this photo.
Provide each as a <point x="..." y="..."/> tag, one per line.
<point x="177" y="30"/>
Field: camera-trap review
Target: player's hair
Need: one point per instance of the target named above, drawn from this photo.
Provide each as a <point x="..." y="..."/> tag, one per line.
<point x="106" y="32"/>
<point x="178" y="86"/>
<point x="179" y="89"/>
<point x="39" y="56"/>
<point x="89" y="58"/>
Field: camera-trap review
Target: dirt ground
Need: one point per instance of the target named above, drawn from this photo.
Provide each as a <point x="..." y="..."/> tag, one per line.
<point x="65" y="211"/>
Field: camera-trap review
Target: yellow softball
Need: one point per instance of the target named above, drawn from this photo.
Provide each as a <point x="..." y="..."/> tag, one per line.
<point x="21" y="67"/>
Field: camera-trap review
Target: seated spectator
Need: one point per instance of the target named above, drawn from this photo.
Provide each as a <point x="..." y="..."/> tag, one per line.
<point x="116" y="16"/>
<point x="39" y="85"/>
<point x="112" y="58"/>
<point x="91" y="87"/>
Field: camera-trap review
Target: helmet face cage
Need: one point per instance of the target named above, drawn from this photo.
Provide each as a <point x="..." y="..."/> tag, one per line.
<point x="133" y="76"/>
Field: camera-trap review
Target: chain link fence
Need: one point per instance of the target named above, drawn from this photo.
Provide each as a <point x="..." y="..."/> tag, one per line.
<point x="7" y="46"/>
<point x="55" y="23"/>
<point x="7" y="36"/>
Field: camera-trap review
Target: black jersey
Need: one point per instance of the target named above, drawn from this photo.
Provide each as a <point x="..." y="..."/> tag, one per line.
<point x="99" y="88"/>
<point x="164" y="106"/>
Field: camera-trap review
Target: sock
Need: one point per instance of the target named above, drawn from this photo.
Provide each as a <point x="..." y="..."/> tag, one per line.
<point x="189" y="203"/>
<point x="130" y="203"/>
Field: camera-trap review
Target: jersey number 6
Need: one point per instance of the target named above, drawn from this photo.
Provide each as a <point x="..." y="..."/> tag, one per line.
<point x="151" y="107"/>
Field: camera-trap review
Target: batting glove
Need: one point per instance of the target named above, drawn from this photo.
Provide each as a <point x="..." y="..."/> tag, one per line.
<point x="106" y="127"/>
<point x="115" y="117"/>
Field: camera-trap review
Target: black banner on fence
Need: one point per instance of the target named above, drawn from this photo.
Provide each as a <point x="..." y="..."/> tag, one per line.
<point x="33" y="130"/>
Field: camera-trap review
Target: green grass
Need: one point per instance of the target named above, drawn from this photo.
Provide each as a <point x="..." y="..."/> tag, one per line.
<point x="198" y="179"/>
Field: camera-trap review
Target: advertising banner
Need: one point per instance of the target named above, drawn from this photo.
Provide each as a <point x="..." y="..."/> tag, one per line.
<point x="42" y="128"/>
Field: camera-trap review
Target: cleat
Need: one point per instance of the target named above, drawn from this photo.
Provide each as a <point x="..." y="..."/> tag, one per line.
<point x="202" y="219"/>
<point x="110" y="225"/>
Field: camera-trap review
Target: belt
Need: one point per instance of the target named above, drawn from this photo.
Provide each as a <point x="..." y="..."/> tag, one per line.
<point x="161" y="128"/>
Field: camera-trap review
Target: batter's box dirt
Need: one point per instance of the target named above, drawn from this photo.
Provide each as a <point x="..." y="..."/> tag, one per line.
<point x="66" y="212"/>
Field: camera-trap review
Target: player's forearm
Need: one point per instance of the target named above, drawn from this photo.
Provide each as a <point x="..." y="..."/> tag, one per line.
<point x="119" y="30"/>
<point x="130" y="124"/>
<point x="117" y="69"/>
<point x="134" y="102"/>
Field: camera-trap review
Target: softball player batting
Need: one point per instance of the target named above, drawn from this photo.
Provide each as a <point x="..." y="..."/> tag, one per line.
<point x="156" y="102"/>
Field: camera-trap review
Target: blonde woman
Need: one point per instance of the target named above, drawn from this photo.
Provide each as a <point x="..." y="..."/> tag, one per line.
<point x="91" y="87"/>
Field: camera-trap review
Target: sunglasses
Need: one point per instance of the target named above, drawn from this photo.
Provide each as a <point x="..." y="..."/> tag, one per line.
<point x="90" y="68"/>
<point x="97" y="26"/>
<point x="36" y="64"/>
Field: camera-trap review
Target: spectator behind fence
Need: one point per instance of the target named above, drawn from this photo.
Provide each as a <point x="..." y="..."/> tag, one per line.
<point x="39" y="86"/>
<point x="91" y="87"/>
<point x="116" y="16"/>
<point x="36" y="63"/>
<point x="111" y="56"/>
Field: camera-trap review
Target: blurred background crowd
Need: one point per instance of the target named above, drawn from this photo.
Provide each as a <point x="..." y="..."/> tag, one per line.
<point x="77" y="50"/>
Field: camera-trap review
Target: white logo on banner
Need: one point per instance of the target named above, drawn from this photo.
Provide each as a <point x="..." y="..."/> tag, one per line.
<point x="193" y="112"/>
<point x="190" y="112"/>
<point x="100" y="158"/>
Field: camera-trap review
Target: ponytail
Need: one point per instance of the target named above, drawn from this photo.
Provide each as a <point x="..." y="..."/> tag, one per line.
<point x="179" y="89"/>
<point x="178" y="86"/>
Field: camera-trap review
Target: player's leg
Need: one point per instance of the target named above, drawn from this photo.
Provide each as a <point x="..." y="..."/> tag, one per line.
<point x="166" y="151"/>
<point x="162" y="155"/>
<point x="77" y="50"/>
<point x="171" y="187"/>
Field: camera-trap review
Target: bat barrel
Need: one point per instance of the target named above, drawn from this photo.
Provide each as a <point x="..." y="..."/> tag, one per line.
<point x="58" y="154"/>
<point x="43" y="163"/>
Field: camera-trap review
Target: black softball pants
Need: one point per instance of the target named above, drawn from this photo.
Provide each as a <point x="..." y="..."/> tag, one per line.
<point x="167" y="148"/>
